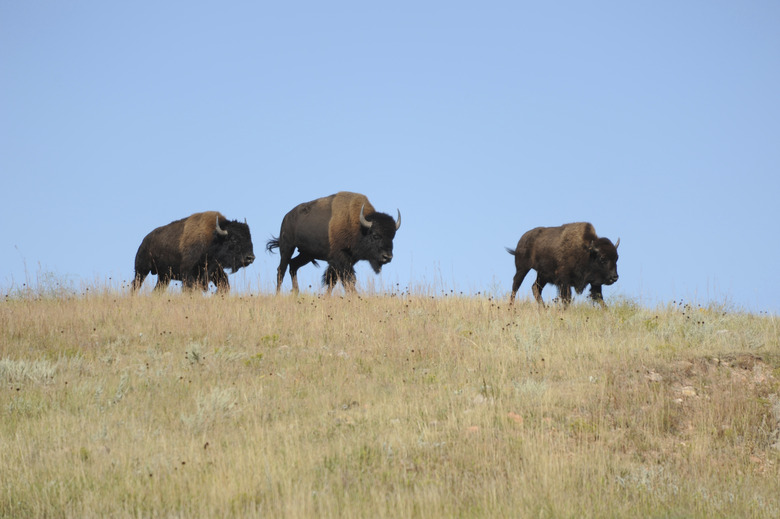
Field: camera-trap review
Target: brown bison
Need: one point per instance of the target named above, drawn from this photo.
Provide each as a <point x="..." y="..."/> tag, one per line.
<point x="194" y="250"/>
<point x="567" y="256"/>
<point x="341" y="229"/>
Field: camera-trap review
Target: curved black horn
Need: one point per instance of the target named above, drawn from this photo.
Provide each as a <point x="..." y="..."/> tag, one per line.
<point x="220" y="231"/>
<point x="365" y="223"/>
<point x="398" y="222"/>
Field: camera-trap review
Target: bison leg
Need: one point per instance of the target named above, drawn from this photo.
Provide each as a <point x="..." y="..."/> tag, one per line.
<point x="517" y="281"/>
<point x="297" y="262"/>
<point x="345" y="274"/>
<point x="196" y="277"/>
<point x="285" y="253"/>
<point x="163" y="280"/>
<point x="595" y="294"/>
<point x="202" y="278"/>
<point x="220" y="280"/>
<point x="187" y="283"/>
<point x="143" y="266"/>
<point x="330" y="278"/>
<point x="340" y="268"/>
<point x="564" y="292"/>
<point x="279" y="277"/>
<point x="537" y="288"/>
<point x="138" y="281"/>
<point x="348" y="279"/>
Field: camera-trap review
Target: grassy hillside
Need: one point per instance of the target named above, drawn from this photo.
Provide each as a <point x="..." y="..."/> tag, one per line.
<point x="392" y="405"/>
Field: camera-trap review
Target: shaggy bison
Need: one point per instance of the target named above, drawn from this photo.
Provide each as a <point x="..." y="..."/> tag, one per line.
<point x="194" y="250"/>
<point x="341" y="229"/>
<point x="567" y="256"/>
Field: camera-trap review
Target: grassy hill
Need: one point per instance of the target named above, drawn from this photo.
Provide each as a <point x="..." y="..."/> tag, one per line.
<point x="392" y="405"/>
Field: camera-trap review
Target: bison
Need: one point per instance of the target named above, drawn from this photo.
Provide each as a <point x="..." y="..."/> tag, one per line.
<point x="194" y="250"/>
<point x="571" y="255"/>
<point x="341" y="229"/>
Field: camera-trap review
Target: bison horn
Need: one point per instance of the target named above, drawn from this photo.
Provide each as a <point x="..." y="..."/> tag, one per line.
<point x="220" y="231"/>
<point x="617" y="243"/>
<point x="398" y="222"/>
<point x="365" y="223"/>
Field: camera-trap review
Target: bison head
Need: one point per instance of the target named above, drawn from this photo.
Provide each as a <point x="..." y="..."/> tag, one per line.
<point x="232" y="245"/>
<point x="603" y="261"/>
<point x="375" y="242"/>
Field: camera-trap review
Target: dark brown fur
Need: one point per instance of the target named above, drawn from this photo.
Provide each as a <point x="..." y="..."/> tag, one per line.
<point x="568" y="256"/>
<point x="192" y="251"/>
<point x="329" y="229"/>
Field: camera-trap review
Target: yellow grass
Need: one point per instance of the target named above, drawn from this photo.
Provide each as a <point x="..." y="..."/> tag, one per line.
<point x="386" y="405"/>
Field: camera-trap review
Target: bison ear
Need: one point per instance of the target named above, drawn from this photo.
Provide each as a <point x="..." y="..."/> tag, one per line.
<point x="617" y="243"/>
<point x="592" y="250"/>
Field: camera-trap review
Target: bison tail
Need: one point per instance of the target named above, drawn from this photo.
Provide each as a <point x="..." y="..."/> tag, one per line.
<point x="272" y="244"/>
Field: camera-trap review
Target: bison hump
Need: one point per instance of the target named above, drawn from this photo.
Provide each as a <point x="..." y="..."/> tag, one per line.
<point x="197" y="234"/>
<point x="575" y="235"/>
<point x="344" y="226"/>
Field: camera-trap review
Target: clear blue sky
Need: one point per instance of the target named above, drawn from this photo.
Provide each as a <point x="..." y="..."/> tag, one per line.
<point x="659" y="122"/>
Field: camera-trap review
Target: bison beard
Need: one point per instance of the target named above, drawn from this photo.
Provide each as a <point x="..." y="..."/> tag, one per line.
<point x="341" y="229"/>
<point x="568" y="256"/>
<point x="194" y="250"/>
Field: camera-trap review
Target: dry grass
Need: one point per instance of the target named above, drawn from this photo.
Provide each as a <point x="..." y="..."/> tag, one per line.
<point x="392" y="405"/>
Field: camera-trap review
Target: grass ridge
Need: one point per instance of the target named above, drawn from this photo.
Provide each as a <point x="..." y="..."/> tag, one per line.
<point x="385" y="405"/>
